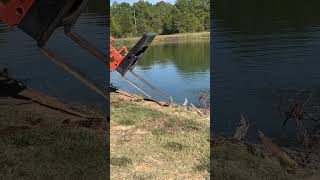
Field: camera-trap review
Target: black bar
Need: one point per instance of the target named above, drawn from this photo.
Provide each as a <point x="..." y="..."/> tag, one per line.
<point x="75" y="73"/>
<point x="135" y="54"/>
<point x="87" y="45"/>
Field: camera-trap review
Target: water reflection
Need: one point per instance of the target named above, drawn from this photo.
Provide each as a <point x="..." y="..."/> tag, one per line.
<point x="261" y="47"/>
<point x="180" y="69"/>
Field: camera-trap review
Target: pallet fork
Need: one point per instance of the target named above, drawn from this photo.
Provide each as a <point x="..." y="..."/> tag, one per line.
<point x="124" y="61"/>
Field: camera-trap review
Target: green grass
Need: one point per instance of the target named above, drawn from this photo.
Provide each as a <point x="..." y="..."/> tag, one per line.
<point x="203" y="165"/>
<point x="159" y="131"/>
<point x="43" y="153"/>
<point x="174" y="146"/>
<point x="120" y="161"/>
<point x="233" y="160"/>
<point x="36" y="145"/>
<point x="128" y="114"/>
<point x="166" y="142"/>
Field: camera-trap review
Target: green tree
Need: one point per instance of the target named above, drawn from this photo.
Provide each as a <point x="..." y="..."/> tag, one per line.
<point x="144" y="17"/>
<point x="192" y="15"/>
<point x="122" y="20"/>
<point x="161" y="18"/>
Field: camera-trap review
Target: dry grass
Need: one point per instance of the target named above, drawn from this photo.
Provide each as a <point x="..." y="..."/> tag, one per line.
<point x="197" y="36"/>
<point x="238" y="160"/>
<point x="149" y="141"/>
<point x="37" y="142"/>
<point x="232" y="160"/>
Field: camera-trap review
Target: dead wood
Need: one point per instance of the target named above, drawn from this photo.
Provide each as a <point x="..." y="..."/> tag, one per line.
<point x="276" y="151"/>
<point x="242" y="129"/>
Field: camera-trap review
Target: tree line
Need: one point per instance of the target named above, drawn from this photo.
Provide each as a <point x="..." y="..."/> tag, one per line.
<point x="162" y="18"/>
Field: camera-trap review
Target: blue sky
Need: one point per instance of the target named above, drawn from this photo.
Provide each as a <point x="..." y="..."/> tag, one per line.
<point x="151" y="1"/>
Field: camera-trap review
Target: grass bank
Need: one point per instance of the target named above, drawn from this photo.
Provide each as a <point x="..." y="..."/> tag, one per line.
<point x="232" y="159"/>
<point x="293" y="157"/>
<point x="173" y="38"/>
<point x="149" y="141"/>
<point x="45" y="138"/>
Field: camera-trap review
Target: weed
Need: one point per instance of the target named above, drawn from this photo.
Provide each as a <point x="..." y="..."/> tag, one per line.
<point x="159" y="131"/>
<point x="204" y="164"/>
<point x="120" y="161"/>
<point x="189" y="124"/>
<point x="174" y="146"/>
<point x="126" y="122"/>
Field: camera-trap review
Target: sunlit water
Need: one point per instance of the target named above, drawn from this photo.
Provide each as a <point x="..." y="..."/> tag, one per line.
<point x="181" y="70"/>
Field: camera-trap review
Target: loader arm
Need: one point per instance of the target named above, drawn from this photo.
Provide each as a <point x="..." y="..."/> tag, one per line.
<point x="40" y="18"/>
<point x="123" y="61"/>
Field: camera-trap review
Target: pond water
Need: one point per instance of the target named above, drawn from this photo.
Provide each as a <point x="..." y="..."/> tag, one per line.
<point x="259" y="49"/>
<point x="181" y="70"/>
<point x="24" y="60"/>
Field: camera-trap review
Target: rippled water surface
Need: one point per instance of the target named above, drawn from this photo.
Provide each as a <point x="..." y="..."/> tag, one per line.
<point x="20" y="54"/>
<point x="181" y="70"/>
<point x="259" y="49"/>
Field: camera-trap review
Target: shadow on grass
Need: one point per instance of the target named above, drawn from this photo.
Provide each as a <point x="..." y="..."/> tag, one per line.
<point x="120" y="161"/>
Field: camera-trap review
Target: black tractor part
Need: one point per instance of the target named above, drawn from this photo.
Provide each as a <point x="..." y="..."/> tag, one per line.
<point x="135" y="54"/>
<point x="9" y="86"/>
<point x="46" y="15"/>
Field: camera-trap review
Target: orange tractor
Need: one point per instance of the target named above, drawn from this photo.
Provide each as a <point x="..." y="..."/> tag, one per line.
<point x="39" y="19"/>
<point x="124" y="61"/>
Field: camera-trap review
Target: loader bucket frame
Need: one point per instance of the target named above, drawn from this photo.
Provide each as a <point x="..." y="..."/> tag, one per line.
<point x="135" y="54"/>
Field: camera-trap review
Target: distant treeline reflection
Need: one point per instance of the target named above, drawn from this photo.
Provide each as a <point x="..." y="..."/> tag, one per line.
<point x="266" y="16"/>
<point x="187" y="57"/>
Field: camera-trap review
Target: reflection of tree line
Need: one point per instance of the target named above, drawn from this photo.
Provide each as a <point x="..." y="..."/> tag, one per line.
<point x="100" y="9"/>
<point x="251" y="16"/>
<point x="3" y="29"/>
<point x="187" y="57"/>
<point x="98" y="6"/>
<point x="4" y="1"/>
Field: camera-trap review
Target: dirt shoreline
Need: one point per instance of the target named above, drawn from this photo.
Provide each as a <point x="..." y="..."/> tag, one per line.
<point x="173" y="38"/>
<point x="43" y="137"/>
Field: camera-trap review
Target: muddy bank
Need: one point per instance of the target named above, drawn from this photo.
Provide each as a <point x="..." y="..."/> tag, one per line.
<point x="44" y="137"/>
<point x="232" y="159"/>
<point x="173" y="38"/>
<point x="45" y="108"/>
<point x="236" y="158"/>
<point x="294" y="156"/>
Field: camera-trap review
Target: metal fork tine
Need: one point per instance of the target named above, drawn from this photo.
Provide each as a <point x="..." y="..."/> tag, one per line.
<point x="75" y="73"/>
<point x="156" y="90"/>
<point x="87" y="45"/>
<point x="137" y="87"/>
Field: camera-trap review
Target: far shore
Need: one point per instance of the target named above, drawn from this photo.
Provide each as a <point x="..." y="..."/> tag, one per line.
<point x="196" y="36"/>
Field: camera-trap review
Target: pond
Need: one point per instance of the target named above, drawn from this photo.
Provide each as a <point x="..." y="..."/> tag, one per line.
<point x="181" y="70"/>
<point x="24" y="60"/>
<point x="260" y="49"/>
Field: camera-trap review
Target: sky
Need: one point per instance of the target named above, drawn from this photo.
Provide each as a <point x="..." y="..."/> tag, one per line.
<point x="151" y="1"/>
